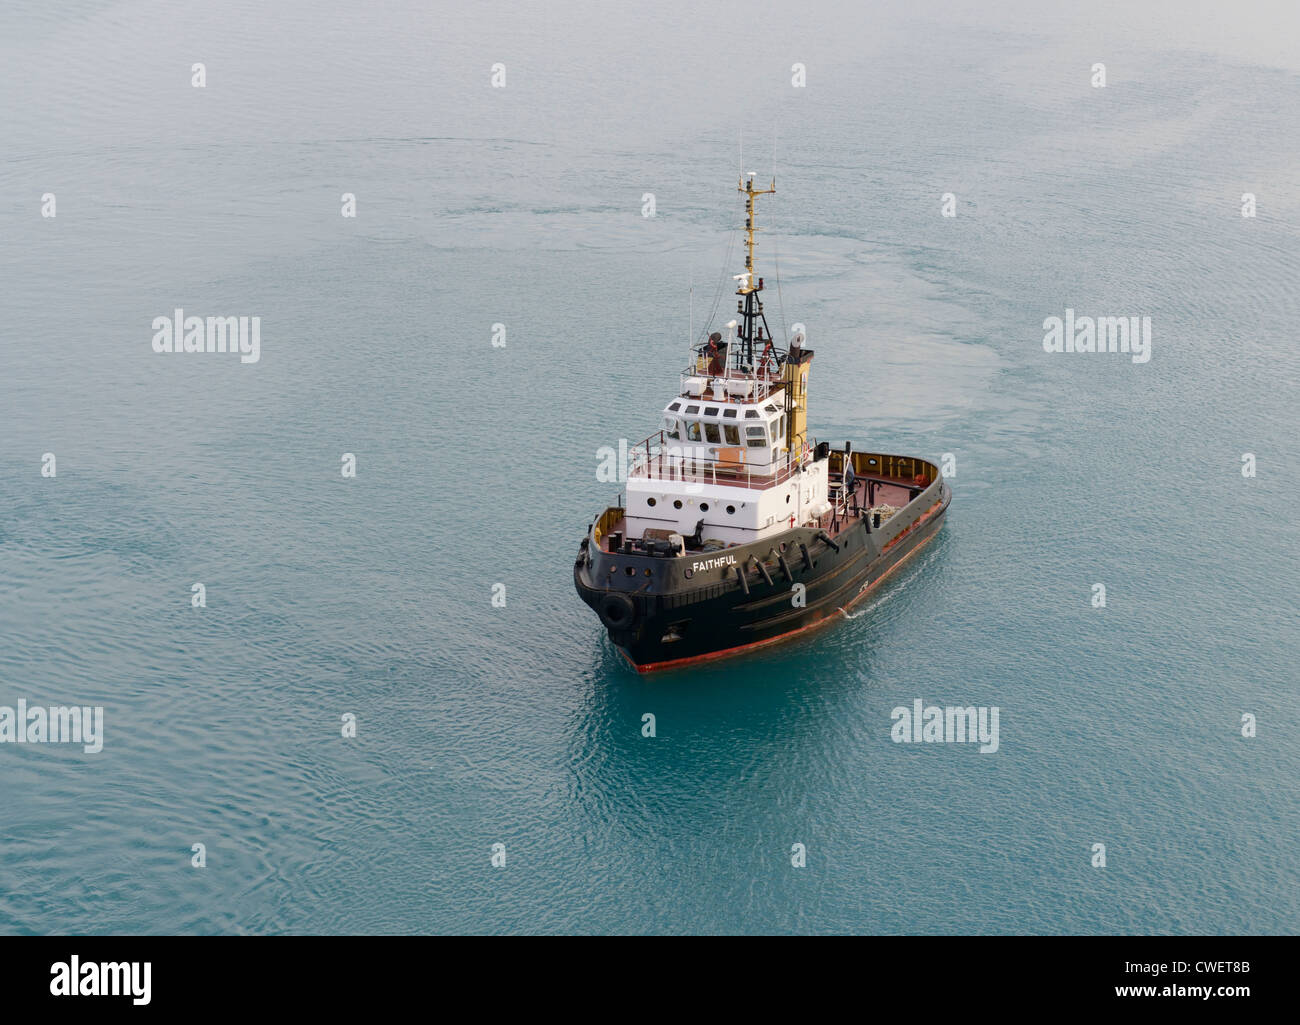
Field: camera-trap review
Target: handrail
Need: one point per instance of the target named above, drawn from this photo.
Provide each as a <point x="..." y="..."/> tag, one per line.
<point x="765" y="383"/>
<point x="655" y="459"/>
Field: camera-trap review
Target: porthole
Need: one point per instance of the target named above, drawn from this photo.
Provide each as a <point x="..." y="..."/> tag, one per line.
<point x="649" y="501"/>
<point x="647" y="571"/>
<point x="613" y="570"/>
<point x="731" y="510"/>
<point x="677" y="503"/>
<point x="704" y="507"/>
<point x="783" y="546"/>
<point x="689" y="573"/>
<point x="631" y="571"/>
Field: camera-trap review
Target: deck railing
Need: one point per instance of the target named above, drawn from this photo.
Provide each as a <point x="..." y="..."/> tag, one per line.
<point x="657" y="458"/>
<point x="762" y="384"/>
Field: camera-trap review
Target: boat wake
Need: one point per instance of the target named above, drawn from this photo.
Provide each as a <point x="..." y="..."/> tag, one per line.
<point x="865" y="609"/>
<point x="912" y="571"/>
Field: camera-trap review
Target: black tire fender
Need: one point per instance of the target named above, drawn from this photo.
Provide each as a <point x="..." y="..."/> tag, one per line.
<point x="616" y="610"/>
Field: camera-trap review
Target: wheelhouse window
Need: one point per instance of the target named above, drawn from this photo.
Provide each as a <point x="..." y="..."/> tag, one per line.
<point x="693" y="430"/>
<point x="674" y="407"/>
<point x="711" y="411"/>
<point x="729" y="414"/>
<point x="692" y="410"/>
<point x="732" y="432"/>
<point x="711" y="434"/>
<point x="755" y="436"/>
<point x="671" y="429"/>
<point x="751" y="414"/>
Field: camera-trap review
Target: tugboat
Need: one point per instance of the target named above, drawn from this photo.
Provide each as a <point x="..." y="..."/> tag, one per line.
<point x="736" y="530"/>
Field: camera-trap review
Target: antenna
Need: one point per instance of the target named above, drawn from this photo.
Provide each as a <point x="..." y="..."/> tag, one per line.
<point x="773" y="154"/>
<point x="750" y="307"/>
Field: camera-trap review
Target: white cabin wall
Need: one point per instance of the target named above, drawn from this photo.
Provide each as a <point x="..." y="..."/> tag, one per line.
<point x="759" y="513"/>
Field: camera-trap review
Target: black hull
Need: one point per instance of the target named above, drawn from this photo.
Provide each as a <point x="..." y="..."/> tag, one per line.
<point x="673" y="611"/>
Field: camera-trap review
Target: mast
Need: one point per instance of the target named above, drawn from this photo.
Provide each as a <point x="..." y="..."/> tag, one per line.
<point x="749" y="305"/>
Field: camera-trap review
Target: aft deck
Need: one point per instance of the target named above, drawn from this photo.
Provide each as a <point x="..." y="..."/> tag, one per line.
<point x="868" y="494"/>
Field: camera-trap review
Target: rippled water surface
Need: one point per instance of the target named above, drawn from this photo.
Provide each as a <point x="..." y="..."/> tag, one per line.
<point x="477" y="465"/>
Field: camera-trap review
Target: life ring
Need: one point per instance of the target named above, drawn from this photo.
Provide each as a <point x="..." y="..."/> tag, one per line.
<point x="616" y="610"/>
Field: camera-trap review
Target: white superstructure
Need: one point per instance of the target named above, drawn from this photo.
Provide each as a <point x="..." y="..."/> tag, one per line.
<point x="727" y="462"/>
<point x="732" y="462"/>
